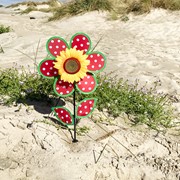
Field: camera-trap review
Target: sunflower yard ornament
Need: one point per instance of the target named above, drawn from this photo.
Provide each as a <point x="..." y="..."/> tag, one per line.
<point x="73" y="67"/>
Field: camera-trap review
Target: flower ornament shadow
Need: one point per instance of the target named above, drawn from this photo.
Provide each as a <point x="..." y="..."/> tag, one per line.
<point x="74" y="67"/>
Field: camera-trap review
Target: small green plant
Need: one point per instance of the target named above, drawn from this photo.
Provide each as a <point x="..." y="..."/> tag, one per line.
<point x="144" y="105"/>
<point x="1" y="49"/>
<point x="81" y="131"/>
<point x="4" y="29"/>
<point x="15" y="86"/>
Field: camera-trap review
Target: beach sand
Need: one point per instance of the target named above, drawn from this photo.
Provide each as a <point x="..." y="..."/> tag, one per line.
<point x="146" y="47"/>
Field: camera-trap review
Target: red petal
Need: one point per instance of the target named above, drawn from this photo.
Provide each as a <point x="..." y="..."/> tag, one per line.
<point x="86" y="107"/>
<point x="46" y="68"/>
<point x="63" y="115"/>
<point x="97" y="62"/>
<point x="55" y="45"/>
<point x="81" y="42"/>
<point x="87" y="84"/>
<point x="62" y="88"/>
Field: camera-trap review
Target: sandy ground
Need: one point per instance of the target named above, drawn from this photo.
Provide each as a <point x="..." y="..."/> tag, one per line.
<point x="145" y="47"/>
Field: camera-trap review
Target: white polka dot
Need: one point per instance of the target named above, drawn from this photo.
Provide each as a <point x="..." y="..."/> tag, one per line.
<point x="99" y="65"/>
<point x="64" y="87"/>
<point x="75" y="46"/>
<point x="46" y="63"/>
<point x="61" y="93"/>
<point x="85" y="107"/>
<point x="62" y="117"/>
<point x="86" y="112"/>
<point x="92" y="82"/>
<point x="90" y="102"/>
<point x="86" y="82"/>
<point x="95" y="60"/>
<point x="80" y="105"/>
<point x="102" y="59"/>
<point x="85" y="50"/>
<point x="91" y="108"/>
<point x="70" y="85"/>
<point x="60" y="82"/>
<point x="52" y="41"/>
<point x="79" y="83"/>
<point x="80" y="112"/>
<point x="63" y="46"/>
<point x="67" y="92"/>
<point x="51" y="68"/>
<point x="55" y="52"/>
<point x="43" y="69"/>
<point x="66" y="115"/>
<point x="85" y="101"/>
<point x="87" y="43"/>
<point x="98" y="55"/>
<point x="67" y="122"/>
<point x="81" y="45"/>
<point x="55" y="72"/>
<point x="72" y="41"/>
<point x="57" y="47"/>
<point x="88" y="77"/>
<point x="62" y="111"/>
<point x="57" y="113"/>
<point x="57" y="88"/>
<point x="90" y="88"/>
<point x="77" y="39"/>
<point x="84" y="38"/>
<point x="92" y="66"/>
<point x="48" y="73"/>
<point x="91" y="56"/>
<point x="83" y="89"/>
<point x="50" y="47"/>
<point x="59" y="41"/>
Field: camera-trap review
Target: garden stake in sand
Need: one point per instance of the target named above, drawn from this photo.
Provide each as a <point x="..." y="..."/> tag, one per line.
<point x="73" y="67"/>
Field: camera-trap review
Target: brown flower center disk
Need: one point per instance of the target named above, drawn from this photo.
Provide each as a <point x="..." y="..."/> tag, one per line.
<point x="72" y="66"/>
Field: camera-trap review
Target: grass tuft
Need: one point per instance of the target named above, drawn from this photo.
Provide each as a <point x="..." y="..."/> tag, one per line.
<point x="80" y="6"/>
<point x="4" y="29"/>
<point x="29" y="9"/>
<point x="143" y="6"/>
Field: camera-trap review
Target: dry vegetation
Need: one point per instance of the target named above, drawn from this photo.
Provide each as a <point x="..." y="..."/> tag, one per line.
<point x="117" y="8"/>
<point x="142" y="6"/>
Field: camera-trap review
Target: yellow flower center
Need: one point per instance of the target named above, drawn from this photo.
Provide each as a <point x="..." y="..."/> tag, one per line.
<point x="72" y="65"/>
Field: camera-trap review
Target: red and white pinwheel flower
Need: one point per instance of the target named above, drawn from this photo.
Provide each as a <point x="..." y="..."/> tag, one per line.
<point x="72" y="65"/>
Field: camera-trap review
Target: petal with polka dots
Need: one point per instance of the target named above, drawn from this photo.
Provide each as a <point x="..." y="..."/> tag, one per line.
<point x="46" y="68"/>
<point x="63" y="115"/>
<point x="88" y="84"/>
<point x="55" y="45"/>
<point x="62" y="88"/>
<point x="85" y="107"/>
<point x="81" y="41"/>
<point x="97" y="62"/>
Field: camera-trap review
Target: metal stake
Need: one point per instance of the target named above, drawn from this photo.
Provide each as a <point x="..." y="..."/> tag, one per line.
<point x="74" y="103"/>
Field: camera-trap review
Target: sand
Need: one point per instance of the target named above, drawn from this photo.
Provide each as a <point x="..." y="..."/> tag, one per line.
<point x="145" y="47"/>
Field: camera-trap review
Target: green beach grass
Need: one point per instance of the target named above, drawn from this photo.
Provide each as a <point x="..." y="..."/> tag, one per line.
<point x="115" y="95"/>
